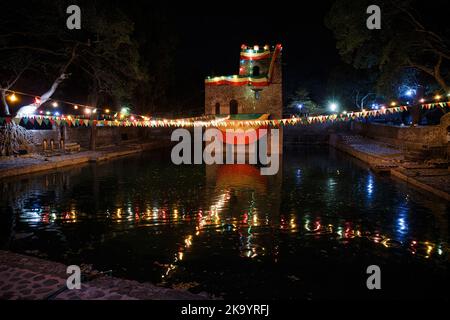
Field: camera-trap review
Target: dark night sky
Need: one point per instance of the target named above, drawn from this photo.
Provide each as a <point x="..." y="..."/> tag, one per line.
<point x="210" y="44"/>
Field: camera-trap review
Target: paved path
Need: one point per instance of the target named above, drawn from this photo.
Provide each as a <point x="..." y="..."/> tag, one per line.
<point x="376" y="154"/>
<point x="14" y="166"/>
<point x="28" y="278"/>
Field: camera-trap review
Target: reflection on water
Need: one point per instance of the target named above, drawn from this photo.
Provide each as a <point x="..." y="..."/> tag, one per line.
<point x="228" y="229"/>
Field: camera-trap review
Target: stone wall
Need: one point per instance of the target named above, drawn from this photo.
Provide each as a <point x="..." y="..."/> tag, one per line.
<point x="105" y="136"/>
<point x="270" y="98"/>
<point x="403" y="137"/>
<point x="313" y="134"/>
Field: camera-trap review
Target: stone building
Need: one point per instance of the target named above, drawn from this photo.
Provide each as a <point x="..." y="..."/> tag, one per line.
<point x="256" y="90"/>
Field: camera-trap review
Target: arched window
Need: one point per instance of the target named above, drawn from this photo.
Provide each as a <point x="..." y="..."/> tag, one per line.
<point x="234" y="107"/>
<point x="217" y="108"/>
<point x="256" y="71"/>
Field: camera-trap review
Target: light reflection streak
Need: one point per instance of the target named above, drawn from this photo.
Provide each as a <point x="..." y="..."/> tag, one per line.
<point x="203" y="220"/>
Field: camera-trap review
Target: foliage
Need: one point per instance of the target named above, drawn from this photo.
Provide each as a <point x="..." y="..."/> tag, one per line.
<point x="405" y="40"/>
<point x="300" y="102"/>
<point x="104" y="57"/>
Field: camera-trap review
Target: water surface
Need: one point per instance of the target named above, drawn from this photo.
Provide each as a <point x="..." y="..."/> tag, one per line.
<point x="310" y="232"/>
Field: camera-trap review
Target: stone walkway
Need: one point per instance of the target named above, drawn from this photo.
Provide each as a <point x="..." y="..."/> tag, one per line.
<point x="378" y="155"/>
<point x="28" y="278"/>
<point x="371" y="147"/>
<point x="14" y="166"/>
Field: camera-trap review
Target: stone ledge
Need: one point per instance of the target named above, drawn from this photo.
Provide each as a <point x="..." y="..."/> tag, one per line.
<point x="21" y="166"/>
<point x="28" y="278"/>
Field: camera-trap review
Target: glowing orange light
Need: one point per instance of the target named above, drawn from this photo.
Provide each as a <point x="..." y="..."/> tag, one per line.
<point x="13" y="98"/>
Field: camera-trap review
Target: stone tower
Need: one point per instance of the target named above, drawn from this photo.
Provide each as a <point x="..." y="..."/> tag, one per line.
<point x="256" y="90"/>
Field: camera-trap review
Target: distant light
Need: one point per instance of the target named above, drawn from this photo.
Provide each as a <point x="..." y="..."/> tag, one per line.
<point x="48" y="113"/>
<point x="422" y="100"/>
<point x="333" y="106"/>
<point x="132" y="118"/>
<point x="55" y="104"/>
<point x="107" y="110"/>
<point x="300" y="106"/>
<point x="344" y="112"/>
<point x="256" y="48"/>
<point x="95" y="111"/>
<point x="13" y="97"/>
<point x="87" y="111"/>
<point x="75" y="107"/>
<point x="57" y="114"/>
<point x="41" y="112"/>
<point x="410" y="92"/>
<point x="437" y="97"/>
<point x="393" y="103"/>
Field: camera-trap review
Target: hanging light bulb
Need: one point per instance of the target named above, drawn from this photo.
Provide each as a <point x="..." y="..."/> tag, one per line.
<point x="55" y="104"/>
<point x="75" y="107"/>
<point x="87" y="111"/>
<point x="13" y="97"/>
<point x="107" y="111"/>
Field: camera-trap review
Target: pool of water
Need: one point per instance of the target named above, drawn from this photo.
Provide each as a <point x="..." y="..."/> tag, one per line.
<point x="309" y="232"/>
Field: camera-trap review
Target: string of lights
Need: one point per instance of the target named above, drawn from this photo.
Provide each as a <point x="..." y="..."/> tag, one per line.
<point x="125" y="118"/>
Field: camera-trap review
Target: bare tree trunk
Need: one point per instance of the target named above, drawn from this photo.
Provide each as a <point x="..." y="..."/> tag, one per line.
<point x="5" y="104"/>
<point x="43" y="99"/>
<point x="46" y="96"/>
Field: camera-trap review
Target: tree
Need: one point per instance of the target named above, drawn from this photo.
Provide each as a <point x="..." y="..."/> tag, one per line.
<point x="352" y="87"/>
<point x="103" y="53"/>
<point x="404" y="41"/>
<point x="301" y="102"/>
<point x="33" y="48"/>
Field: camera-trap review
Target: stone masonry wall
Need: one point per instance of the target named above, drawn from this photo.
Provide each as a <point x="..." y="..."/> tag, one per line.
<point x="106" y="136"/>
<point x="409" y="137"/>
<point x="270" y="100"/>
